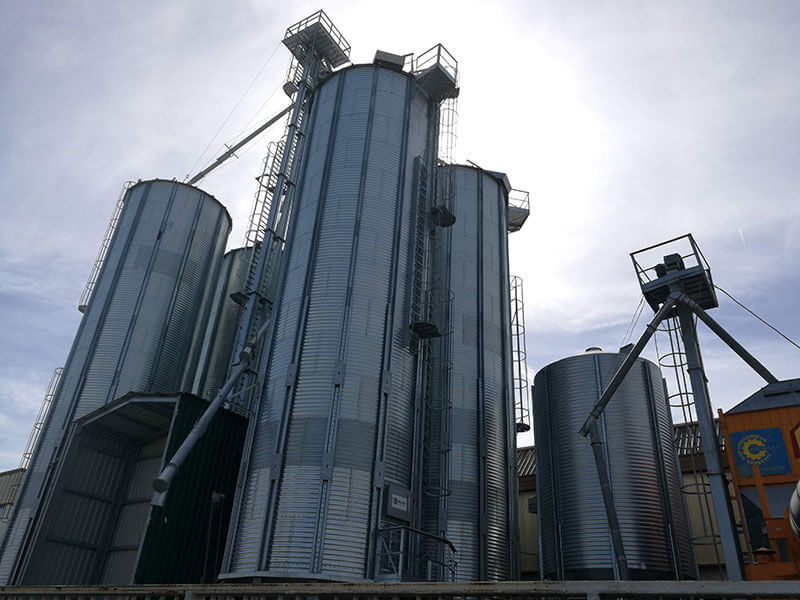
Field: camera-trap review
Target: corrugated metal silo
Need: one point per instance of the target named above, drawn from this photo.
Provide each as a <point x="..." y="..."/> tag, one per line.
<point x="637" y="430"/>
<point x="336" y="423"/>
<point x="148" y="308"/>
<point x="477" y="504"/>
<point x="220" y="334"/>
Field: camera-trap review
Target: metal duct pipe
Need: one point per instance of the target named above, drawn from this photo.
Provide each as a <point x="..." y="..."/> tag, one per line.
<point x="161" y="485"/>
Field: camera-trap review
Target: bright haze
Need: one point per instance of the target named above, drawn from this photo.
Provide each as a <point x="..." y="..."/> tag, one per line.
<point x="628" y="122"/>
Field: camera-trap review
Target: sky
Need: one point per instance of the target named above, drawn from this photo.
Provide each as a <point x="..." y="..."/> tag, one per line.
<point x="628" y="122"/>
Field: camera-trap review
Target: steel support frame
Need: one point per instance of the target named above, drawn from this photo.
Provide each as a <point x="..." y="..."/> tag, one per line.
<point x="684" y="306"/>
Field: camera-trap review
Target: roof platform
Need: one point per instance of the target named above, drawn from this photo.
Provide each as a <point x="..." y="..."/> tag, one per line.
<point x="437" y="73"/>
<point x="318" y="34"/>
<point x="684" y="268"/>
<point x="518" y="209"/>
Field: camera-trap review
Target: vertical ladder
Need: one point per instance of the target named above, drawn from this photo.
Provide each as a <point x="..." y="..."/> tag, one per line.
<point x="41" y="417"/>
<point x="267" y="231"/>
<point x="518" y="357"/>
<point x="104" y="245"/>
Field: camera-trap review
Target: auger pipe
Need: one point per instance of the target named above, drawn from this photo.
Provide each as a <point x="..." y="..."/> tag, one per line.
<point x="232" y="150"/>
<point x="608" y="499"/>
<point x="727" y="338"/>
<point x="161" y="484"/>
<point x="626" y="365"/>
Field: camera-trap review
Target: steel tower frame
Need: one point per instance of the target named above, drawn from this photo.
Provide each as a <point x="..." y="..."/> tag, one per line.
<point x="682" y="291"/>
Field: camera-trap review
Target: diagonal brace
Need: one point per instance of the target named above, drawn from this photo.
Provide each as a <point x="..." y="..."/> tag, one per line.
<point x="626" y="365"/>
<point x="727" y="338"/>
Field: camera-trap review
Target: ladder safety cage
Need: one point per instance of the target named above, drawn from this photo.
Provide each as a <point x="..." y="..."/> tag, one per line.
<point x="519" y="357"/>
<point x="318" y="45"/>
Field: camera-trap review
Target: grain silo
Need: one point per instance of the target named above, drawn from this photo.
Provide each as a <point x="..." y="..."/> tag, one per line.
<point x="149" y="300"/>
<point x="220" y="334"/>
<point x="637" y="433"/>
<point x="469" y="478"/>
<point x="336" y="426"/>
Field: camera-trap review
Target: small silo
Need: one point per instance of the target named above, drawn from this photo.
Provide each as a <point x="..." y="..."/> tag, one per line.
<point x="637" y="440"/>
<point x="475" y="456"/>
<point x="150" y="300"/>
<point x="336" y="425"/>
<point x="220" y="334"/>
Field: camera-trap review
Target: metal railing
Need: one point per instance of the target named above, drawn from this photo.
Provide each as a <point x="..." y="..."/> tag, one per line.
<point x="437" y="55"/>
<point x="41" y="417"/>
<point x="590" y="590"/>
<point x="646" y="260"/>
<point x="104" y="246"/>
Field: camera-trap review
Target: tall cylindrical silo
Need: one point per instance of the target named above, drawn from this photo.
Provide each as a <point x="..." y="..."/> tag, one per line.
<point x="638" y="444"/>
<point x="220" y="335"/>
<point x="336" y="423"/>
<point x="474" y="403"/>
<point x="148" y="308"/>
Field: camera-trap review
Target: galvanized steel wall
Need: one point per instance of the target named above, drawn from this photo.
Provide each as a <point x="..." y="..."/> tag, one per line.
<point x="220" y="334"/>
<point x="148" y="308"/>
<point x="478" y="510"/>
<point x="336" y="418"/>
<point x="637" y="431"/>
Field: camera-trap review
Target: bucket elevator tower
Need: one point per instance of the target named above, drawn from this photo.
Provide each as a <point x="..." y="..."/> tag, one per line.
<point x="678" y="288"/>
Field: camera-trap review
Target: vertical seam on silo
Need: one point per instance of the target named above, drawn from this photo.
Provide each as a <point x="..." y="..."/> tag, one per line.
<point x="483" y="530"/>
<point x="141" y="295"/>
<point x="179" y="283"/>
<point x="509" y="412"/>
<point x="208" y="347"/>
<point x="242" y="484"/>
<point x="379" y="447"/>
<point x="555" y="489"/>
<point x="104" y="311"/>
<point x="289" y="394"/>
<point x="201" y="316"/>
<point x="603" y="433"/>
<point x="332" y="428"/>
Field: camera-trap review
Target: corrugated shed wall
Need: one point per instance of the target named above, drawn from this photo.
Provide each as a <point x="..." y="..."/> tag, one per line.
<point x="151" y="298"/>
<point x="336" y="417"/>
<point x="100" y="527"/>
<point x="84" y="504"/>
<point x="480" y="508"/>
<point x="637" y="432"/>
